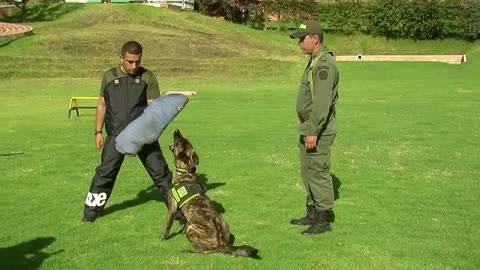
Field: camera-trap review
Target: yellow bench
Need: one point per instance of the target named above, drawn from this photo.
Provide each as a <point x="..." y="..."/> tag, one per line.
<point x="73" y="105"/>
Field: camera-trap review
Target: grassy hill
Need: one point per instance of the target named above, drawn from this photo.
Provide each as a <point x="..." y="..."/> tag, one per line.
<point x="80" y="41"/>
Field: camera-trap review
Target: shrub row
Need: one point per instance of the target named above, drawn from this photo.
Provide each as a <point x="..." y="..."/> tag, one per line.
<point x="414" y="19"/>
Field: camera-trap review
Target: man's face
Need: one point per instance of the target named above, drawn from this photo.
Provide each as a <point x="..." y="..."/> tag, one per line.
<point x="131" y="63"/>
<point x="307" y="43"/>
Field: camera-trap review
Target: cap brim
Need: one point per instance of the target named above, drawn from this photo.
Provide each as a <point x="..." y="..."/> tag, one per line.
<point x="299" y="34"/>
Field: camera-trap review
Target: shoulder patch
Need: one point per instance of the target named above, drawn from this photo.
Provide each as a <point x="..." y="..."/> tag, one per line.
<point x="323" y="74"/>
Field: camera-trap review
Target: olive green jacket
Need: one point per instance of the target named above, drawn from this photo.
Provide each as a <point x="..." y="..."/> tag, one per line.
<point x="316" y="99"/>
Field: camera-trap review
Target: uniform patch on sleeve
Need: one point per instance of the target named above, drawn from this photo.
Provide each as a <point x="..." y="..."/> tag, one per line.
<point x="323" y="74"/>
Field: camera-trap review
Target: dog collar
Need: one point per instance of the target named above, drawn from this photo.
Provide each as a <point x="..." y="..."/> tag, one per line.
<point x="180" y="170"/>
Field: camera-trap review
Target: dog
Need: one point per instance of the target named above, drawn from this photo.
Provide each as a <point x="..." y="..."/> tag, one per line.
<point x="204" y="227"/>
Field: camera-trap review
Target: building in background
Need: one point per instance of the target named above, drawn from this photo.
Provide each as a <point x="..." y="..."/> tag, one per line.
<point x="183" y="4"/>
<point x="176" y="4"/>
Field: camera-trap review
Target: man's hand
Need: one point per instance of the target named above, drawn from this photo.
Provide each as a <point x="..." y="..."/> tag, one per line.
<point x="310" y="142"/>
<point x="99" y="141"/>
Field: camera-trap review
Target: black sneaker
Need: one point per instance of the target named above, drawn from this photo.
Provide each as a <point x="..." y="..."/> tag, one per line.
<point x="88" y="219"/>
<point x="91" y="216"/>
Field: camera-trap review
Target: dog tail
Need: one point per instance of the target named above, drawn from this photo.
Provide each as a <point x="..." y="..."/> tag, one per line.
<point x="244" y="251"/>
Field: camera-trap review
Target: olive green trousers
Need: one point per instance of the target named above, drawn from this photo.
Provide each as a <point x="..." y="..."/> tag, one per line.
<point x="315" y="172"/>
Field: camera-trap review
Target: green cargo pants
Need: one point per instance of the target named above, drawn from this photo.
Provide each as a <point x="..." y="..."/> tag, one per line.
<point x="315" y="172"/>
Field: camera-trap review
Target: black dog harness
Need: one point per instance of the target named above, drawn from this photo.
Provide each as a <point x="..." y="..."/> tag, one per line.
<point x="183" y="193"/>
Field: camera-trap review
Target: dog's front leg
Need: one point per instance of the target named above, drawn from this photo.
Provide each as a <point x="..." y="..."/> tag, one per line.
<point x="172" y="207"/>
<point x="185" y="226"/>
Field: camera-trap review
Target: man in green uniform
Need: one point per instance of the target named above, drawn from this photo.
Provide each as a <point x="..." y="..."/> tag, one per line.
<point x="125" y="93"/>
<point x="316" y="100"/>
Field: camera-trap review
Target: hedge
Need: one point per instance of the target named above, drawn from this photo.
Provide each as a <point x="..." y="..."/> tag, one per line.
<point x="413" y="19"/>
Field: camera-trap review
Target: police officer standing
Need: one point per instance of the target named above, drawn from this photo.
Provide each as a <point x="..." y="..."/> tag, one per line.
<point x="316" y="100"/>
<point x="125" y="92"/>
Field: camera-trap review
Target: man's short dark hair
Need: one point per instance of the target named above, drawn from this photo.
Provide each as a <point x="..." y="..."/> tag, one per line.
<point x="320" y="36"/>
<point x="132" y="47"/>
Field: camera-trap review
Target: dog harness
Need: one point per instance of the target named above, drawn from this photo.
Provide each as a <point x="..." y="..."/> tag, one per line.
<point x="184" y="193"/>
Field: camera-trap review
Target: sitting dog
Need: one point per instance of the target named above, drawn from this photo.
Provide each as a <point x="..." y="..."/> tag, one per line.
<point x="204" y="227"/>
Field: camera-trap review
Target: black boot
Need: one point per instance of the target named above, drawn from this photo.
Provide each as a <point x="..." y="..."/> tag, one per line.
<point x="308" y="219"/>
<point x="322" y="223"/>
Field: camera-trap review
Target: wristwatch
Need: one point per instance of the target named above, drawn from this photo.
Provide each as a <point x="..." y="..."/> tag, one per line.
<point x="97" y="132"/>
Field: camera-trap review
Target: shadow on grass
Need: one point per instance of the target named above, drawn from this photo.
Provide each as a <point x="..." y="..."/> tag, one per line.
<point x="151" y="194"/>
<point x="26" y="255"/>
<point x="336" y="186"/>
<point x="5" y="43"/>
<point x="44" y="12"/>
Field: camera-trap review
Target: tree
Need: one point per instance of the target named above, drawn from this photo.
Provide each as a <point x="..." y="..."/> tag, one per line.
<point x="231" y="10"/>
<point x="22" y="5"/>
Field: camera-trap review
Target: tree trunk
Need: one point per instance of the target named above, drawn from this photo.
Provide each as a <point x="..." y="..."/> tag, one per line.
<point x="23" y="8"/>
<point x="24" y="11"/>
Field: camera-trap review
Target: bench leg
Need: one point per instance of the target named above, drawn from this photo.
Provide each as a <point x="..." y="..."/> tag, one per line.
<point x="69" y="108"/>
<point x="75" y="106"/>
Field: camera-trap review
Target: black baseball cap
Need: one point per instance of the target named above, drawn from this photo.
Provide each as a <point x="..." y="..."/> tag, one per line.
<point x="307" y="28"/>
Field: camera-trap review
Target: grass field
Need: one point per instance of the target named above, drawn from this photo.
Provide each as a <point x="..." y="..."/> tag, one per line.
<point x="405" y="159"/>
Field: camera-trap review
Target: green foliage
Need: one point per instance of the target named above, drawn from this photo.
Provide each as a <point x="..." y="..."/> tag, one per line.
<point x="22" y="5"/>
<point x="422" y="19"/>
<point x="470" y="13"/>
<point x="393" y="19"/>
<point x="343" y="17"/>
<point x="231" y="10"/>
<point x="290" y="10"/>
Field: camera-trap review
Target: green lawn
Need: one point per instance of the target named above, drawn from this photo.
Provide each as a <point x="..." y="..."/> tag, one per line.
<point x="405" y="159"/>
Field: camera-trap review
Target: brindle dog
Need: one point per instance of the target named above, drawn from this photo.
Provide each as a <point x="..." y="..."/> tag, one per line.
<point x="204" y="227"/>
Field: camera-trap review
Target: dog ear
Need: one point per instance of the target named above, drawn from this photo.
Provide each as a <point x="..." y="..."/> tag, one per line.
<point x="177" y="134"/>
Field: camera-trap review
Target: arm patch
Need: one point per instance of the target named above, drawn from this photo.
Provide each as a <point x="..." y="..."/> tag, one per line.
<point x="323" y="74"/>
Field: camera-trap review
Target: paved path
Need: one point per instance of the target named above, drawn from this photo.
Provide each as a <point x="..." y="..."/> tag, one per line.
<point x="452" y="59"/>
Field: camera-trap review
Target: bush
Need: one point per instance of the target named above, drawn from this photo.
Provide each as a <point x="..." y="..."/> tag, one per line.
<point x="349" y="17"/>
<point x="290" y="10"/>
<point x="420" y="19"/>
<point x="470" y="19"/>
<point x="393" y="19"/>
